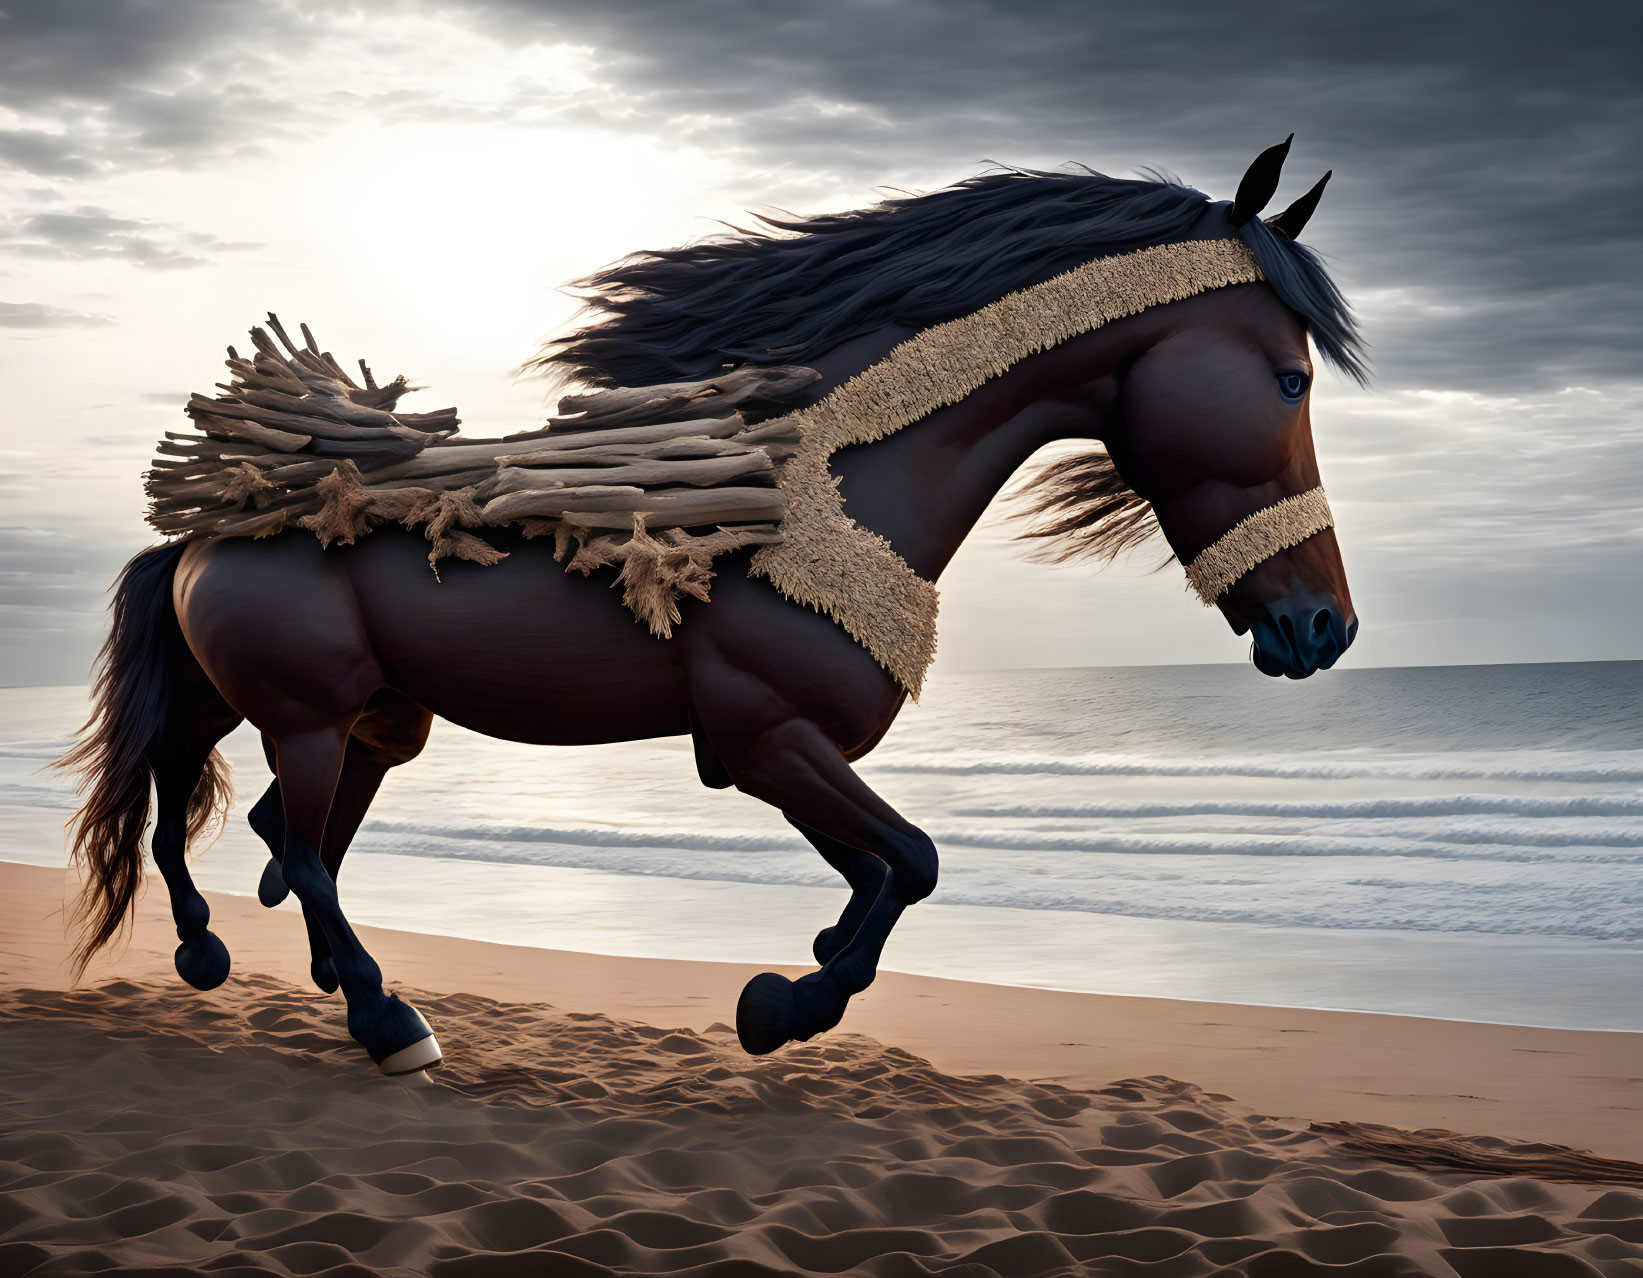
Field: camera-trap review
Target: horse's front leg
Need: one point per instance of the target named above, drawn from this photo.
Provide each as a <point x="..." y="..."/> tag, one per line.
<point x="794" y="766"/>
<point x="393" y="1032"/>
<point x="863" y="871"/>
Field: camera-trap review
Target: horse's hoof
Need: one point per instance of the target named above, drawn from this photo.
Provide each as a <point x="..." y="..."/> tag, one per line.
<point x="829" y="941"/>
<point x="396" y="1036"/>
<point x="324" y="973"/>
<point x="271" y="889"/>
<point x="765" y="1014"/>
<point x="203" y="963"/>
<point x="424" y="1054"/>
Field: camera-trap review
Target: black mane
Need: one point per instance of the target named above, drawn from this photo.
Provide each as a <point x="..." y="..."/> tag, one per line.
<point x="794" y="287"/>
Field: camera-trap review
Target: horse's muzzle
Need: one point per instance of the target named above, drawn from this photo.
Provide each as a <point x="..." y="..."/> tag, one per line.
<point x="1301" y="634"/>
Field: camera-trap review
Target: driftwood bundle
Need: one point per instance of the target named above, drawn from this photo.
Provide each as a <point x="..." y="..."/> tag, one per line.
<point x="659" y="480"/>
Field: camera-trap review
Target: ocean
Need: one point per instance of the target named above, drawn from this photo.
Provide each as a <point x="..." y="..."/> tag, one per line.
<point x="1462" y="842"/>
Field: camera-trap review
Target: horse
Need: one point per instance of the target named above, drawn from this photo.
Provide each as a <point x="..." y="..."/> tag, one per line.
<point x="1195" y="412"/>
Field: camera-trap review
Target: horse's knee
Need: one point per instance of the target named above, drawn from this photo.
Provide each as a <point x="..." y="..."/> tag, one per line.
<point x="916" y="867"/>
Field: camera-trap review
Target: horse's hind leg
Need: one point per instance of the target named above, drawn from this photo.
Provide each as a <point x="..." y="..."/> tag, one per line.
<point x="179" y="762"/>
<point x="393" y="1032"/>
<point x="392" y="731"/>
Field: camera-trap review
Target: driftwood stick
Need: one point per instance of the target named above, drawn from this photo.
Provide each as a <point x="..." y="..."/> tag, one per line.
<point x="339" y="406"/>
<point x="261" y="524"/>
<point x="448" y="482"/>
<point x="279" y="332"/>
<point x="681" y="508"/>
<point x="195" y="445"/>
<point x="557" y="441"/>
<point x="441" y="419"/>
<point x="280" y="440"/>
<point x="262" y="376"/>
<point x="607" y="407"/>
<point x="174" y="463"/>
<point x="642" y="474"/>
<point x="268" y="361"/>
<point x="458" y="453"/>
<point x="225" y="522"/>
<point x="306" y="423"/>
<point x="587" y="497"/>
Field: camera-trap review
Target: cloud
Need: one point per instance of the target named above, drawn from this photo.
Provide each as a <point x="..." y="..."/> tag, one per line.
<point x="91" y="52"/>
<point x="39" y="315"/>
<point x="89" y="232"/>
<point x="105" y="86"/>
<point x="1484" y="169"/>
<point x="44" y="154"/>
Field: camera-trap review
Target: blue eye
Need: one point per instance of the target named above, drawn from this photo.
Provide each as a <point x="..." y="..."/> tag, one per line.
<point x="1292" y="386"/>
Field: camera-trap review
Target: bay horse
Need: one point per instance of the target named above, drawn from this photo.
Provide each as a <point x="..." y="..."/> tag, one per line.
<point x="342" y="656"/>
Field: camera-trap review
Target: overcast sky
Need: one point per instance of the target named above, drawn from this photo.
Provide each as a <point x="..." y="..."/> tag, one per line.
<point x="415" y="180"/>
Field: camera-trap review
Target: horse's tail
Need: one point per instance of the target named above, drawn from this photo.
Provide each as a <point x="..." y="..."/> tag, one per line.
<point x="133" y="693"/>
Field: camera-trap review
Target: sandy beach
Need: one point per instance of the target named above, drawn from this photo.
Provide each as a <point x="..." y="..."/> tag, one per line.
<point x="596" y="1116"/>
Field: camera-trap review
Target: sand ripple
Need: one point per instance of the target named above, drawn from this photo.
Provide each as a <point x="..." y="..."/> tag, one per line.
<point x="239" y="1132"/>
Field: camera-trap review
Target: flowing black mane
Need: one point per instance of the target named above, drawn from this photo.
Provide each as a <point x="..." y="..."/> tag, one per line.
<point x="794" y="287"/>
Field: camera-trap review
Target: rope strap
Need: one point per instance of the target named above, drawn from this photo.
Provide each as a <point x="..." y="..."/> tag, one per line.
<point x="1255" y="539"/>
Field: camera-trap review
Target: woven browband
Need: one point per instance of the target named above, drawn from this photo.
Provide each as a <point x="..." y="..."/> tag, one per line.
<point x="1256" y="539"/>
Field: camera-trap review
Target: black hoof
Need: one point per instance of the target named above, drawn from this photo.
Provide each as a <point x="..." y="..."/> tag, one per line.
<point x="765" y="1014"/>
<point x="203" y="963"/>
<point x="324" y="973"/>
<point x="829" y="941"/>
<point x="388" y="1028"/>
<point x="271" y="890"/>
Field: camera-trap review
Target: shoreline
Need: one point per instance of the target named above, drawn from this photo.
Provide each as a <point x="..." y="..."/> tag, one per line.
<point x="1532" y="982"/>
<point x="890" y="970"/>
<point x="1570" y="1087"/>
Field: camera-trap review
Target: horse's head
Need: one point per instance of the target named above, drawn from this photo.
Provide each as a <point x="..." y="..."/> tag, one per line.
<point x="1212" y="426"/>
<point x="1213" y="429"/>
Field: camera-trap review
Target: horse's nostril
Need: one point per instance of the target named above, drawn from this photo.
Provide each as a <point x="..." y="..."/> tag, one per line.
<point x="1320" y="622"/>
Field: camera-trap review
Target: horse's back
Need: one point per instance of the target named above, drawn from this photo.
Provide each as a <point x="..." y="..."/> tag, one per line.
<point x="519" y="649"/>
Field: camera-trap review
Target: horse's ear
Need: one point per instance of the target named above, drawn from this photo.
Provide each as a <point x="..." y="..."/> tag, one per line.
<point x="1291" y="221"/>
<point x="1259" y="182"/>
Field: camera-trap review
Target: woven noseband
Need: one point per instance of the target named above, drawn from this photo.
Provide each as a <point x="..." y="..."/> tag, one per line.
<point x="1256" y="539"/>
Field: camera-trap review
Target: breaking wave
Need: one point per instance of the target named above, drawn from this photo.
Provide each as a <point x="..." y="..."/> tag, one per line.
<point x="1614" y="767"/>
<point x="1527" y="846"/>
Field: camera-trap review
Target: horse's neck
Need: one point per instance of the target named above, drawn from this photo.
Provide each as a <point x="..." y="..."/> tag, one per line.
<point x="926" y="486"/>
